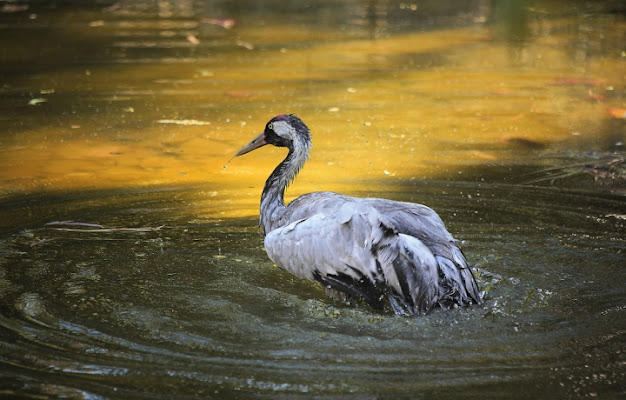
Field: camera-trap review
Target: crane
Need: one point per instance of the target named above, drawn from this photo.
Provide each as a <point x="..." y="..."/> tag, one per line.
<point x="380" y="251"/>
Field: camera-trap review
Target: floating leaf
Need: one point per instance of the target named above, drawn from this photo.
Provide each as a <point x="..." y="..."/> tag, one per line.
<point x="225" y="23"/>
<point x="193" y="39"/>
<point x="245" y="45"/>
<point x="36" y="101"/>
<point x="12" y="8"/>
<point x="618" y="112"/>
<point x="183" y="122"/>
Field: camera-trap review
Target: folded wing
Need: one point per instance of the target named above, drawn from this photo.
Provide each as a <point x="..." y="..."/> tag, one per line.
<point x="356" y="250"/>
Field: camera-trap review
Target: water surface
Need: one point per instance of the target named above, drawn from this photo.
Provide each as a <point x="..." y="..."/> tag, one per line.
<point x="131" y="265"/>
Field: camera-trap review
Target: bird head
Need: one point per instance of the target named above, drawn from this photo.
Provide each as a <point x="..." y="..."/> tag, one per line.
<point x="281" y="131"/>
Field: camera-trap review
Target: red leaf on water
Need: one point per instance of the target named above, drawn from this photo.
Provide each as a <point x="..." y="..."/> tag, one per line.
<point x="618" y="112"/>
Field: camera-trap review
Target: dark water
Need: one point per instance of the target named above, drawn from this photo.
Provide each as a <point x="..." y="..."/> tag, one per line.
<point x="131" y="265"/>
<point x="194" y="308"/>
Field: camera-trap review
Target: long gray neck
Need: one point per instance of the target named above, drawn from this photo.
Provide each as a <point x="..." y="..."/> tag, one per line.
<point x="273" y="208"/>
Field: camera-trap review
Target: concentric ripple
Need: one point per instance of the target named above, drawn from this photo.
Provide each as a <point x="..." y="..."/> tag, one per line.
<point x="150" y="297"/>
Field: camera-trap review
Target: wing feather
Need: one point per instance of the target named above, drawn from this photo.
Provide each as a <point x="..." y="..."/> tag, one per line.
<point x="373" y="248"/>
<point x="354" y="246"/>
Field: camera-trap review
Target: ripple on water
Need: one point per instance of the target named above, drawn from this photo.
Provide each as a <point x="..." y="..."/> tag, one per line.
<point x="196" y="307"/>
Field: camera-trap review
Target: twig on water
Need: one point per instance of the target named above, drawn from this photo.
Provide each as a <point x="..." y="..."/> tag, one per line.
<point x="98" y="228"/>
<point x="72" y="223"/>
<point x="40" y="242"/>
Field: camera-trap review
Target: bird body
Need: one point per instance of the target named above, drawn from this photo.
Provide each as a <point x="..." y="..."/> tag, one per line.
<point x="378" y="250"/>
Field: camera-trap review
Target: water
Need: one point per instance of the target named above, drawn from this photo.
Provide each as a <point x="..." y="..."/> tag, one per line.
<point x="195" y="308"/>
<point x="131" y="265"/>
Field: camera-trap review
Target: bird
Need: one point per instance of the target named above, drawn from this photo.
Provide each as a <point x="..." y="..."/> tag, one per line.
<point x="392" y="255"/>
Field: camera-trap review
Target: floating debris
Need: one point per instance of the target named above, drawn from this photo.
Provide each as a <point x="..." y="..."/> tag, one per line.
<point x="13" y="8"/>
<point x="225" y="23"/>
<point x="37" y="101"/>
<point x="40" y="241"/>
<point x="72" y="223"/>
<point x="618" y="112"/>
<point x="193" y="39"/>
<point x="245" y="45"/>
<point x="97" y="228"/>
<point x="183" y="122"/>
<point x="606" y="170"/>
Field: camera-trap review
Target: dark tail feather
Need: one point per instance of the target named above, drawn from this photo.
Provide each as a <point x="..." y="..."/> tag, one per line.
<point x="356" y="288"/>
<point x="457" y="284"/>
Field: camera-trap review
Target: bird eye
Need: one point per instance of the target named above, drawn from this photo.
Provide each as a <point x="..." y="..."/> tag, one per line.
<point x="270" y="126"/>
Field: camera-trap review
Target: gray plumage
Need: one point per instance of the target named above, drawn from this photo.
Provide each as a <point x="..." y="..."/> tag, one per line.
<point x="378" y="250"/>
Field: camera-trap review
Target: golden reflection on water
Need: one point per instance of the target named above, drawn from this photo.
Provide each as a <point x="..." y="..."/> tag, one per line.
<point x="406" y="106"/>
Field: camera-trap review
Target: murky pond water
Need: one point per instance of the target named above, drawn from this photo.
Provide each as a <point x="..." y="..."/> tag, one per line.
<point x="195" y="308"/>
<point x="131" y="265"/>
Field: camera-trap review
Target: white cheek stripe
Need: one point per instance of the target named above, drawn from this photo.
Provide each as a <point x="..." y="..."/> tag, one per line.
<point x="283" y="129"/>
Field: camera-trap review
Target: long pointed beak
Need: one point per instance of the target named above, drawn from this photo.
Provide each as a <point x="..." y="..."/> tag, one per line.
<point x="254" y="144"/>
